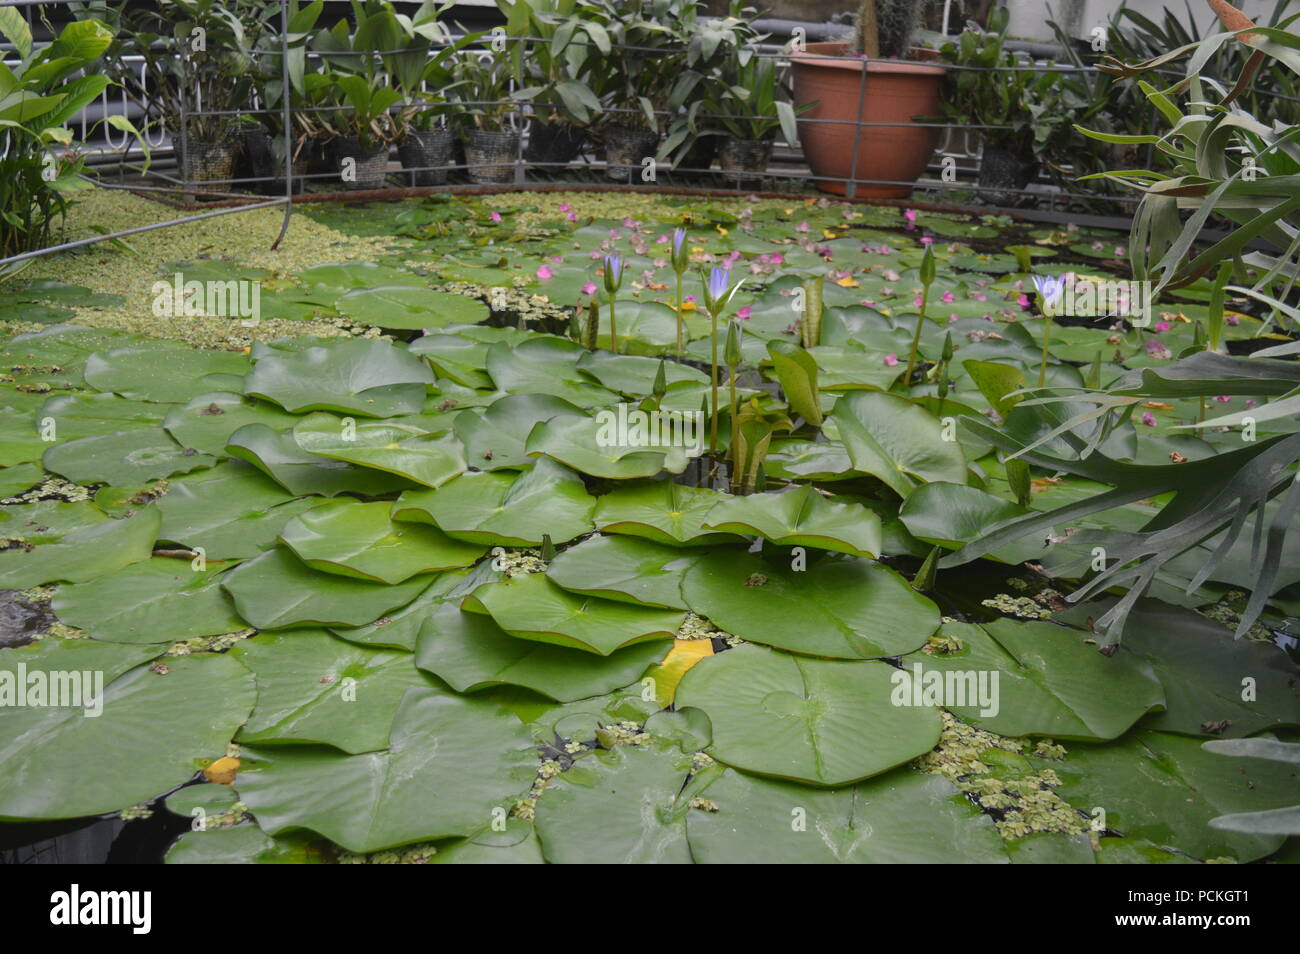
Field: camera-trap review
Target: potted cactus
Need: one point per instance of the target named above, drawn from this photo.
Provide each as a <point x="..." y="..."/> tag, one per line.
<point x="892" y="94"/>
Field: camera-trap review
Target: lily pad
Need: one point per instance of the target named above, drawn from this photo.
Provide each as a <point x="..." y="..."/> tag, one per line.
<point x="495" y="439"/>
<point x="902" y="817"/>
<point x="159" y="600"/>
<point x="404" y="307"/>
<point x="206" y="422"/>
<point x="123" y="459"/>
<point x="315" y="687"/>
<point x="470" y="651"/>
<point x="280" y="457"/>
<point x="160" y="725"/>
<point x="842" y="609"/>
<point x="402" y="448"/>
<point x="373" y="378"/>
<point x="82" y="554"/>
<point x="898" y="442"/>
<point x="1048" y="681"/>
<point x="505" y="509"/>
<point x="662" y="511"/>
<point x="532" y="607"/>
<point x="626" y="569"/>
<point x="817" y="721"/>
<point x="160" y="371"/>
<point x="277" y="590"/>
<point x="450" y="764"/>
<point x="800" y="516"/>
<point x="354" y="539"/>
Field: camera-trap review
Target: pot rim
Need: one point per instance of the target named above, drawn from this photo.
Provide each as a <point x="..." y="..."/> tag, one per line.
<point x="834" y="55"/>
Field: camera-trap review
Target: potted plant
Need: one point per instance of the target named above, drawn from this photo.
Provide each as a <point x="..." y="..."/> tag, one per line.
<point x="359" y="120"/>
<point x="744" y="112"/>
<point x="869" y="82"/>
<point x="1027" y="108"/>
<point x="197" y="56"/>
<point x="488" y="109"/>
<point x="641" y="80"/>
<point x="424" y="78"/>
<point x="571" y="37"/>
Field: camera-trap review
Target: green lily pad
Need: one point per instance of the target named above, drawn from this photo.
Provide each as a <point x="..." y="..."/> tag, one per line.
<point x="626" y="569"/>
<point x="1165" y="789"/>
<point x="450" y="764"/>
<point x="577" y="442"/>
<point x="354" y="539"/>
<point x="348" y="275"/>
<point x="123" y="459"/>
<point x="400" y="628"/>
<point x="207" y="421"/>
<point x="800" y="516"/>
<point x="470" y="651"/>
<point x="231" y="511"/>
<point x="505" y="509"/>
<point x="898" y="442"/>
<point x="158" y="726"/>
<point x="373" y="378"/>
<point x="902" y="817"/>
<point x="532" y="607"/>
<point x="160" y="371"/>
<point x="82" y="554"/>
<point x="1049" y="681"/>
<point x="281" y="458"/>
<point x="545" y="366"/>
<point x="278" y="590"/>
<point x="315" y="687"/>
<point x="495" y="439"/>
<point x="624" y="806"/>
<point x="662" y="511"/>
<point x="843" y="608"/>
<point x="403" y="448"/>
<point x="403" y="307"/>
<point x="75" y="416"/>
<point x="816" y="721"/>
<point x="952" y="515"/>
<point x="159" y="600"/>
<point x="16" y="479"/>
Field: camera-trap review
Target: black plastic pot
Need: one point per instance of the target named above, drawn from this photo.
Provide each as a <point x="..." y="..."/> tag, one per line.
<point x="209" y="161"/>
<point x="425" y="148"/>
<point x="699" y="158"/>
<point x="626" y="149"/>
<point x="553" y="144"/>
<point x="371" y="163"/>
<point x="1004" y="169"/>
<point x="265" y="163"/>
<point x="745" y="161"/>
<point x="491" y="155"/>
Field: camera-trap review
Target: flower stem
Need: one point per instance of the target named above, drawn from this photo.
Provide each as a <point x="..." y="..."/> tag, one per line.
<point x="916" y="341"/>
<point x="681" y="318"/>
<point x="613" y="327"/>
<point x="1047" y="339"/>
<point x="713" y="404"/>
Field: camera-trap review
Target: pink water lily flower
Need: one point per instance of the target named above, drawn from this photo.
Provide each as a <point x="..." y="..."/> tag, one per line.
<point x="1162" y="326"/>
<point x="891" y="360"/>
<point x="802" y="227"/>
<point x="926" y="240"/>
<point x="589" y="288"/>
<point x="1223" y="398"/>
<point x="495" y="216"/>
<point x="1022" y="301"/>
<point x="572" y="217"/>
<point x="1148" y="419"/>
<point x="545" y="272"/>
<point x="910" y="216"/>
<point x="745" y="312"/>
<point x="565" y="207"/>
<point x="948" y="297"/>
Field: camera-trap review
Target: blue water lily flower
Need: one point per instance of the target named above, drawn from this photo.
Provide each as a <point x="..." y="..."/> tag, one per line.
<point x="719" y="290"/>
<point x="613" y="273"/>
<point x="1050" y="289"/>
<point x="681" y="257"/>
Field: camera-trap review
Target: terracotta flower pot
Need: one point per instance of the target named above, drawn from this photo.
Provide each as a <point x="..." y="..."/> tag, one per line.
<point x="895" y="91"/>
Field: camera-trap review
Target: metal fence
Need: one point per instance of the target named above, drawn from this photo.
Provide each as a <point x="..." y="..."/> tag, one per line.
<point x="950" y="174"/>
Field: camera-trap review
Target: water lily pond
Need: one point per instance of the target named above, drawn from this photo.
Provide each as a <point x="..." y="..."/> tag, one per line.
<point x="413" y="555"/>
